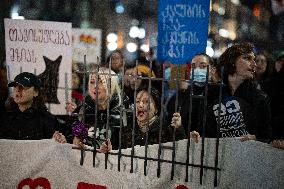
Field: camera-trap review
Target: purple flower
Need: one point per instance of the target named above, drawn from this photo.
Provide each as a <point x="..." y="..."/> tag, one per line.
<point x="80" y="130"/>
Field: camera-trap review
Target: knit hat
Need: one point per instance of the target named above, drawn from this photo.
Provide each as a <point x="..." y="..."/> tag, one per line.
<point x="145" y="70"/>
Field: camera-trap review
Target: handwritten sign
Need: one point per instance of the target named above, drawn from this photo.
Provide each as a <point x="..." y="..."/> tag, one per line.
<point x="182" y="29"/>
<point x="86" y="42"/>
<point x="43" y="48"/>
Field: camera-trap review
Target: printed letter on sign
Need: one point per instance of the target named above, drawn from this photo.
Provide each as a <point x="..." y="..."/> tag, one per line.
<point x="82" y="185"/>
<point x="33" y="184"/>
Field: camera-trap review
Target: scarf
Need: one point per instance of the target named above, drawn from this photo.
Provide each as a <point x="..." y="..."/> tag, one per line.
<point x="143" y="125"/>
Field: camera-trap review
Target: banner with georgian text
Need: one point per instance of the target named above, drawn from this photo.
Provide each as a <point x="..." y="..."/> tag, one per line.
<point x="182" y="29"/>
<point x="43" y="48"/>
<point x="49" y="164"/>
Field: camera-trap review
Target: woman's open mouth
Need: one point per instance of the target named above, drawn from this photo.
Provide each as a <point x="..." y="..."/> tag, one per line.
<point x="141" y="113"/>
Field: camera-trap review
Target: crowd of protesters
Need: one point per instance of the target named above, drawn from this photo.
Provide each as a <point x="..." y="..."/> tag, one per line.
<point x="238" y="95"/>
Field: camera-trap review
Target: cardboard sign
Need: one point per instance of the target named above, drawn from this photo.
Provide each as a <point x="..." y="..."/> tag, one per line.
<point x="43" y="48"/>
<point x="182" y="29"/>
<point x="86" y="42"/>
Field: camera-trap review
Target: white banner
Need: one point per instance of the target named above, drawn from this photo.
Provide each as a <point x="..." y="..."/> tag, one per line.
<point x="86" y="42"/>
<point x="43" y="48"/>
<point x="52" y="165"/>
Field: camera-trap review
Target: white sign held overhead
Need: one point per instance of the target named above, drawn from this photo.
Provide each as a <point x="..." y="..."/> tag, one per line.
<point x="43" y="48"/>
<point x="86" y="42"/>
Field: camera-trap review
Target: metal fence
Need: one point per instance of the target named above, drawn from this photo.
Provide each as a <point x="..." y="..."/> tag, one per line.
<point x="85" y="72"/>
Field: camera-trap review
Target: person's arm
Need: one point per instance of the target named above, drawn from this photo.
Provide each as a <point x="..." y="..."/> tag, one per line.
<point x="59" y="137"/>
<point x="176" y="123"/>
<point x="51" y="128"/>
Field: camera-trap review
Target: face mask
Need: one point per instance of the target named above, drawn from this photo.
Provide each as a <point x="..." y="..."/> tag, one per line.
<point x="199" y="76"/>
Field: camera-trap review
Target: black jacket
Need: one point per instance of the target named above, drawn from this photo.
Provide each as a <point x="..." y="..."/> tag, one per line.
<point x="183" y="106"/>
<point x="274" y="87"/>
<point x="28" y="125"/>
<point x="245" y="112"/>
<point x="87" y="113"/>
<point x="153" y="134"/>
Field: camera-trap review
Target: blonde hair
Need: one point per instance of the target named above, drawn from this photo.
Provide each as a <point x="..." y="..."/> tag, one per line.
<point x="104" y="74"/>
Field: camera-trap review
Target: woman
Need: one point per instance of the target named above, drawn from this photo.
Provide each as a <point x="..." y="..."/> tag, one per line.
<point x="244" y="110"/>
<point x="116" y="60"/>
<point x="147" y="114"/>
<point x="263" y="69"/>
<point x="26" y="116"/>
<point x="103" y="96"/>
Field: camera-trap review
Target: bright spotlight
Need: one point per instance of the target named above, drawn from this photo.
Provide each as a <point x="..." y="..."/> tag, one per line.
<point x="145" y="48"/>
<point x="209" y="51"/>
<point x="134" y="32"/>
<point x="131" y="47"/>
<point x="119" y="8"/>
<point x="112" y="46"/>
<point x="111" y="37"/>
<point x="224" y="33"/>
<point x="142" y="33"/>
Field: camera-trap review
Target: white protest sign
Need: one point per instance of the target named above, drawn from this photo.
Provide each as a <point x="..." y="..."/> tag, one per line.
<point x="43" y="48"/>
<point x="86" y="42"/>
<point x="45" y="163"/>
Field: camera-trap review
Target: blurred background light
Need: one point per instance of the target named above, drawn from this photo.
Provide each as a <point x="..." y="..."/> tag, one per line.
<point x="209" y="43"/>
<point x="112" y="46"/>
<point x="221" y="10"/>
<point x="131" y="47"/>
<point x="111" y="37"/>
<point x="209" y="51"/>
<point x="134" y="32"/>
<point x="15" y="14"/>
<point x="142" y="33"/>
<point x="145" y="48"/>
<point x="119" y="8"/>
<point x="236" y="2"/>
<point x="224" y="33"/>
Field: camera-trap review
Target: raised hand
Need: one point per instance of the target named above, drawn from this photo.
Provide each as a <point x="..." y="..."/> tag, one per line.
<point x="176" y="120"/>
<point x="195" y="136"/>
<point x="59" y="137"/>
<point x="70" y="107"/>
<point x="105" y="147"/>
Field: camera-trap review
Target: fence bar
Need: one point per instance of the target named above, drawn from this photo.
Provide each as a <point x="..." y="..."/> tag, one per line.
<point x="66" y="88"/>
<point x="203" y="125"/>
<point x="108" y="100"/>
<point x="147" y="134"/>
<point x="153" y="159"/>
<point x="174" y="129"/>
<point x="133" y="118"/>
<point x="161" y="124"/>
<point x="218" y="127"/>
<point x="121" y="124"/>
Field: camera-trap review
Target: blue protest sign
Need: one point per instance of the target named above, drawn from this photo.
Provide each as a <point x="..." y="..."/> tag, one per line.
<point x="182" y="29"/>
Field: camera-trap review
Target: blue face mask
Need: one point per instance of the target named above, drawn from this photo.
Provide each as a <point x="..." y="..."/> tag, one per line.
<point x="199" y="76"/>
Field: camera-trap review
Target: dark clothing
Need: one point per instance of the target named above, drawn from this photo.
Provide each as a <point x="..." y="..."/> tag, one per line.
<point x="274" y="87"/>
<point x="245" y="112"/>
<point x="183" y="104"/>
<point x="153" y="134"/>
<point x="28" y="125"/>
<point x="88" y="116"/>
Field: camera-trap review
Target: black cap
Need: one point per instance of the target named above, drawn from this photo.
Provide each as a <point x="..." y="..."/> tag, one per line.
<point x="26" y="79"/>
